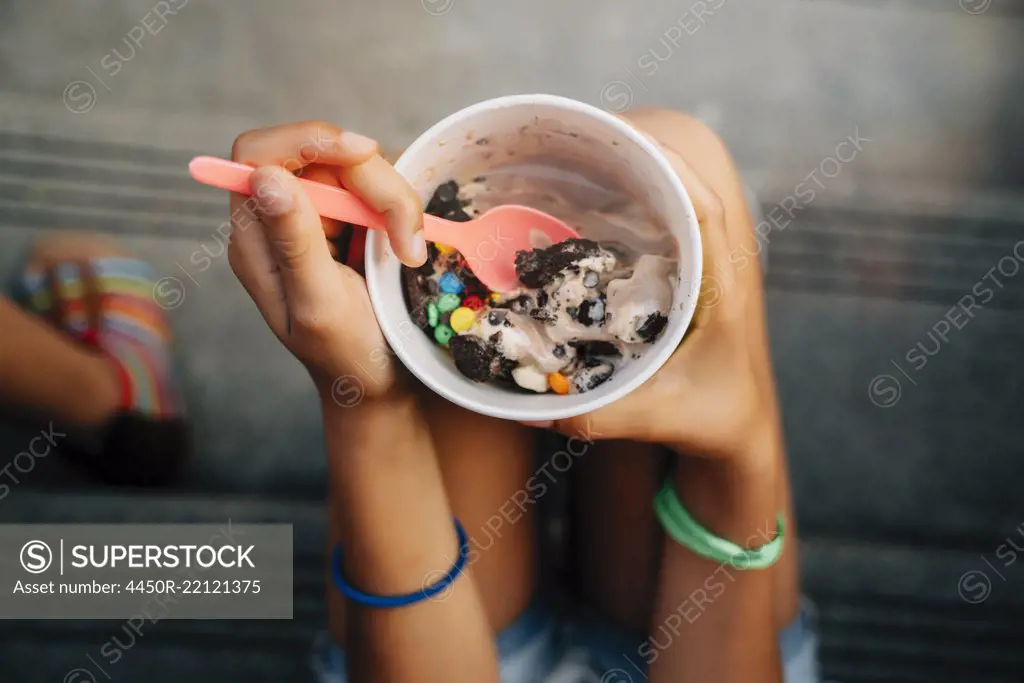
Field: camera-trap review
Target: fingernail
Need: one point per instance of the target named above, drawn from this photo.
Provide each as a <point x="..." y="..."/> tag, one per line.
<point x="543" y="424"/>
<point x="273" y="196"/>
<point x="357" y="144"/>
<point x="418" y="249"/>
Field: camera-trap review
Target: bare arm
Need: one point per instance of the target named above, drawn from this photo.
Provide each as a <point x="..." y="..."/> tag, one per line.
<point x="388" y="500"/>
<point x="387" y="495"/>
<point x="714" y="401"/>
<point x="714" y="622"/>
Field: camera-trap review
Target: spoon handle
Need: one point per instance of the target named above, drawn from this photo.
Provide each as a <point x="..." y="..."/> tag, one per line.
<point x="330" y="202"/>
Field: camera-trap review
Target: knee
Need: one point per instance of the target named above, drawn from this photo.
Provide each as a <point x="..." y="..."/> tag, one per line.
<point x="677" y="129"/>
<point x="696" y="142"/>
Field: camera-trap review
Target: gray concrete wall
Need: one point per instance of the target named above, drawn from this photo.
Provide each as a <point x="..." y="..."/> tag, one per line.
<point x="905" y="474"/>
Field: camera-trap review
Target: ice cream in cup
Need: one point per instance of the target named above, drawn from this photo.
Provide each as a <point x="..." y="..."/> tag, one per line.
<point x="595" y="317"/>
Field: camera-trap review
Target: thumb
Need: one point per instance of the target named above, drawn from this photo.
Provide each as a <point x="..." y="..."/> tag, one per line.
<point x="627" y="418"/>
<point x="331" y="325"/>
<point x="294" y="235"/>
<point x="589" y="428"/>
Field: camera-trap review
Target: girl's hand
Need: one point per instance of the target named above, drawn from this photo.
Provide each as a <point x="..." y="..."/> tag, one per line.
<point x="715" y="396"/>
<point x="318" y="308"/>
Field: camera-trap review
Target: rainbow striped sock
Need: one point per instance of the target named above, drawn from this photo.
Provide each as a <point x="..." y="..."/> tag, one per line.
<point x="111" y="307"/>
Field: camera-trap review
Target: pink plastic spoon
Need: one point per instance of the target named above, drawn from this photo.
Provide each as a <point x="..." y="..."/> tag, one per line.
<point x="489" y="242"/>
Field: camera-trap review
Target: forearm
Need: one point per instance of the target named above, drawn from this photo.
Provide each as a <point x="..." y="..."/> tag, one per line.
<point x="388" y="500"/>
<point x="27" y="344"/>
<point x="719" y="621"/>
<point x="787" y="571"/>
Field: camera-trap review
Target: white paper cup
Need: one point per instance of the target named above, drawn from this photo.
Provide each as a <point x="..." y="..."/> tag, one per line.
<point x="512" y="130"/>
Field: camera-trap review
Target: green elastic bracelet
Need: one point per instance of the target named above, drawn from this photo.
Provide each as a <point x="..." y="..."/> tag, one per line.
<point x="686" y="531"/>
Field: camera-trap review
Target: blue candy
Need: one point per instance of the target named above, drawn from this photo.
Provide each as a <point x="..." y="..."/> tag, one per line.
<point x="451" y="284"/>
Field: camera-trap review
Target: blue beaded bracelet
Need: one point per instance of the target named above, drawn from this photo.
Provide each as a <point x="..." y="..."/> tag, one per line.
<point x="392" y="601"/>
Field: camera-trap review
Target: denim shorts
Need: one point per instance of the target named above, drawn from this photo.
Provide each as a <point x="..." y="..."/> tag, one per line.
<point x="618" y="655"/>
<point x="540" y="647"/>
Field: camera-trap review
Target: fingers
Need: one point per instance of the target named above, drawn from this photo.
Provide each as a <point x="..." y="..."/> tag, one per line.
<point x="609" y="422"/>
<point x="719" y="274"/>
<point x="280" y="254"/>
<point x="296" y="145"/>
<point x="294" y="240"/>
<point x="329" y="176"/>
<point x="382" y="187"/>
<point x="253" y="264"/>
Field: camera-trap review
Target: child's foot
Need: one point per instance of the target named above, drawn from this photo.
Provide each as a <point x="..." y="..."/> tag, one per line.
<point x="85" y="286"/>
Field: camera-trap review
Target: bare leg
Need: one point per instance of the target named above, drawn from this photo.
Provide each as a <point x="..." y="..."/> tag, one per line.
<point x="617" y="539"/>
<point x="618" y="558"/>
<point x="486" y="463"/>
<point x="44" y="371"/>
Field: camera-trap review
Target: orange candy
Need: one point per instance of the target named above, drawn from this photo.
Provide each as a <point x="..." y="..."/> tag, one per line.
<point x="559" y="383"/>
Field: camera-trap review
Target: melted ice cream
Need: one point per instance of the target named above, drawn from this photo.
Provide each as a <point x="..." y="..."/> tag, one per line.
<point x="618" y="295"/>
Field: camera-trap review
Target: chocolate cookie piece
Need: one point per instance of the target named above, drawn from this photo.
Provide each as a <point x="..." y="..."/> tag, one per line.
<point x="445" y="203"/>
<point x="427" y="269"/>
<point x="542" y="315"/>
<point x="652" y="327"/>
<point x="593" y="373"/>
<point x="591" y="311"/>
<point x="596" y="348"/>
<point x="445" y="196"/>
<point x="416" y="297"/>
<point x="457" y="214"/>
<point x="479" y="360"/>
<point x="524" y="303"/>
<point x="541" y="311"/>
<point x="472" y="356"/>
<point x="539" y="267"/>
<point x="502" y="368"/>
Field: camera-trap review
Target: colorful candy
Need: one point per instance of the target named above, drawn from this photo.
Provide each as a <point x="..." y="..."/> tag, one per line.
<point x="558" y="382"/>
<point x="529" y="377"/>
<point x="433" y="315"/>
<point x="473" y="301"/>
<point x="447" y="303"/>
<point x="462" y="319"/>
<point x="443" y="334"/>
<point x="444" y="249"/>
<point x="451" y="284"/>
